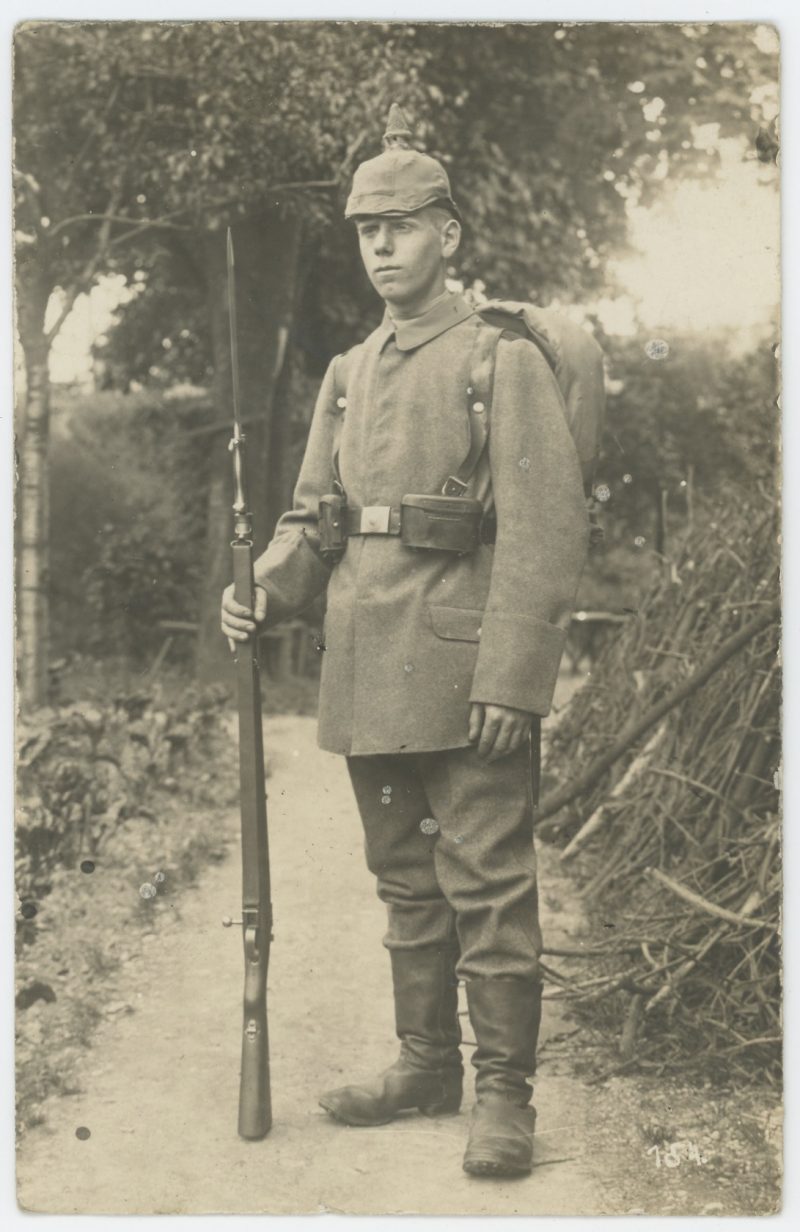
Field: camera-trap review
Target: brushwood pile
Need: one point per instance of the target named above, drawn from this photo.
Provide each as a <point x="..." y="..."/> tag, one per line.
<point x="676" y="844"/>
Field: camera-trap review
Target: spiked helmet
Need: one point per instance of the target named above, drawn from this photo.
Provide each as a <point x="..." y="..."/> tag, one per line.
<point x="400" y="180"/>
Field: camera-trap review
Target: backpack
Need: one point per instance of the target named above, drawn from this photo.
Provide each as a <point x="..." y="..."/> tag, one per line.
<point x="576" y="361"/>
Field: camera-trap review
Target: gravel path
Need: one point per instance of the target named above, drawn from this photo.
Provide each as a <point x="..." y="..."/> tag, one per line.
<point x="160" y="1085"/>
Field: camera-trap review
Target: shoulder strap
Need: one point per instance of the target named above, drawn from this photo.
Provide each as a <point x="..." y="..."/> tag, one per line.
<point x="479" y="405"/>
<point x="340" y="404"/>
<point x="339" y="382"/>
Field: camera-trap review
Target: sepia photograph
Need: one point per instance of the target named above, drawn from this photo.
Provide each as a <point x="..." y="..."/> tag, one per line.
<point x="397" y="600"/>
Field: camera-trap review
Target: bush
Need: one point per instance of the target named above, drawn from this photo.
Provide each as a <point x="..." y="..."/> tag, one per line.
<point x="677" y="842"/>
<point x="128" y="511"/>
<point x="85" y="769"/>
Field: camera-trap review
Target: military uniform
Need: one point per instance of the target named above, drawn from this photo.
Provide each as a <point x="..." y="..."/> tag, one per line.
<point x="412" y="638"/>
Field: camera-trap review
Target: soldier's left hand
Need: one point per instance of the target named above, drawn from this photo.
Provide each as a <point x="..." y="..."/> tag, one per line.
<point x="498" y="730"/>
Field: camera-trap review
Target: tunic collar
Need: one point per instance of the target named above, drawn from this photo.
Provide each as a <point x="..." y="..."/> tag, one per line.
<point x="445" y="312"/>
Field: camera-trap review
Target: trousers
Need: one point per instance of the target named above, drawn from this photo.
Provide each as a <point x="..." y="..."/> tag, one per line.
<point x="450" y="840"/>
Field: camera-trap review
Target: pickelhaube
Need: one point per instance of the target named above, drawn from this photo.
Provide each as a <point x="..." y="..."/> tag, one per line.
<point x="400" y="180"/>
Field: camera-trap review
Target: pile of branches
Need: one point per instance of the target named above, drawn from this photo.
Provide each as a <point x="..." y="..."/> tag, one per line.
<point x="669" y="811"/>
<point x="85" y="769"/>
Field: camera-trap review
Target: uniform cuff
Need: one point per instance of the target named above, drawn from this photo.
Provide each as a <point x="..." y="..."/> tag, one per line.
<point x="518" y="662"/>
<point x="292" y="575"/>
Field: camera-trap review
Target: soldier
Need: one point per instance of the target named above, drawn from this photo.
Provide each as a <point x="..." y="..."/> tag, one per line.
<point x="451" y="551"/>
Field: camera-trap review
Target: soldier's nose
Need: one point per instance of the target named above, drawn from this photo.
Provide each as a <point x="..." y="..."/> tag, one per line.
<point x="383" y="241"/>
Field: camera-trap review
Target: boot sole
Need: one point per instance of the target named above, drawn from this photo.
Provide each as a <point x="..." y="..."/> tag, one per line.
<point x="490" y="1167"/>
<point x="356" y="1123"/>
<point x="353" y="1122"/>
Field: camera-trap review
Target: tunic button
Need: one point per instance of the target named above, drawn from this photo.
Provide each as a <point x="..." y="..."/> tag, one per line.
<point x="478" y="407"/>
<point x="341" y="403"/>
<point x="428" y="825"/>
<point x="408" y="667"/>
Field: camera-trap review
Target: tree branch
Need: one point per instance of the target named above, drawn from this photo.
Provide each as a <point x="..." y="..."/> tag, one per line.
<point x="86" y="277"/>
<point x="703" y="904"/>
<point x="637" y="728"/>
<point x="92" y="134"/>
<point x="165" y="221"/>
<point x="118" y="218"/>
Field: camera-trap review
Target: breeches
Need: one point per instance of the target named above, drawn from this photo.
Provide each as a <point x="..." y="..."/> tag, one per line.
<point x="450" y="841"/>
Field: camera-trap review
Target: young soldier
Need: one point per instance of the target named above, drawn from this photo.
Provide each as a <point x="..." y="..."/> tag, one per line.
<point x="445" y="625"/>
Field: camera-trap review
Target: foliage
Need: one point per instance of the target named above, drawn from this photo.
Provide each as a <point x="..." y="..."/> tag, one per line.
<point x="554" y="128"/>
<point x="135" y="141"/>
<point x="701" y="422"/>
<point x="147" y="126"/>
<point x="694" y="800"/>
<point x="136" y="582"/>
<point x="128" y="484"/>
<point x="165" y="340"/>
<point x="86" y="769"/>
<point x="704" y="416"/>
<point x="554" y="118"/>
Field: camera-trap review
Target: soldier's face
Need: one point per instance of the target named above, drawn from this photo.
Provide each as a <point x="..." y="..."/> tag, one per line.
<point x="405" y="256"/>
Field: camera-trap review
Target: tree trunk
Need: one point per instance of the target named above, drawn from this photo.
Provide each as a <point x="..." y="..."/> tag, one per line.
<point x="33" y="533"/>
<point x="280" y="476"/>
<point x="266" y="271"/>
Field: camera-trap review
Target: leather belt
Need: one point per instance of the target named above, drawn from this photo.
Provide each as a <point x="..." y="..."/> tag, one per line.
<point x="387" y="520"/>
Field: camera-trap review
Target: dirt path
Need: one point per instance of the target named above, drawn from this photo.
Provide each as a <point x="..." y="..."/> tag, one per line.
<point x="160" y="1085"/>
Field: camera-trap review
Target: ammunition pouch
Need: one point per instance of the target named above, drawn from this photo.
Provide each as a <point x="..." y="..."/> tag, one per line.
<point x="332" y="527"/>
<point x="441" y="523"/>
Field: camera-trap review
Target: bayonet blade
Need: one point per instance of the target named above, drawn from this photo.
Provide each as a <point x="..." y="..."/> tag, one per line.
<point x="237" y="420"/>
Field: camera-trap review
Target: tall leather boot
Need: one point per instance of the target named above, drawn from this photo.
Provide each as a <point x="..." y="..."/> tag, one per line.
<point x="505" y="1016"/>
<point x="428" y="1074"/>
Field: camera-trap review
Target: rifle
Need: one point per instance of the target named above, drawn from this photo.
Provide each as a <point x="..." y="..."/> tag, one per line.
<point x="255" y="1108"/>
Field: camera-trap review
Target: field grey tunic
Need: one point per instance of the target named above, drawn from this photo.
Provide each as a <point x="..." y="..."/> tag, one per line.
<point x="413" y="637"/>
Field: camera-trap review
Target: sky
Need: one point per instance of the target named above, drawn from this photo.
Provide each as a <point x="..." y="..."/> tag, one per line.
<point x="708" y="254"/>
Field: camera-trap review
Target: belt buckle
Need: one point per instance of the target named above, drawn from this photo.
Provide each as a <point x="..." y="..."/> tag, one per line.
<point x="375" y="519"/>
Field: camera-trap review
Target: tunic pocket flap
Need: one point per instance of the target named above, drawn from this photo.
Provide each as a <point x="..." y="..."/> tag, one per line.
<point x="461" y="624"/>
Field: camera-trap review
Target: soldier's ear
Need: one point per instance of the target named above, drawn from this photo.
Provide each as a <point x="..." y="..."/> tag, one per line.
<point x="451" y="237"/>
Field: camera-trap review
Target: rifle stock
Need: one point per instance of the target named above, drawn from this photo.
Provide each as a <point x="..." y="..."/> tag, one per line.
<point x="255" y="1114"/>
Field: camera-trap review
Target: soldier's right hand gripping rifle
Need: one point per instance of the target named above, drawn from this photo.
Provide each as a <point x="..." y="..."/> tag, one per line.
<point x="255" y="1110"/>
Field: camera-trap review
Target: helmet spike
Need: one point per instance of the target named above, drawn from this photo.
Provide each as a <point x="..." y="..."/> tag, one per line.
<point x="398" y="134"/>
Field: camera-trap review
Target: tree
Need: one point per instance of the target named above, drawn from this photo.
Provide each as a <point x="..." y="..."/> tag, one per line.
<point x="83" y="118"/>
<point x="130" y="129"/>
